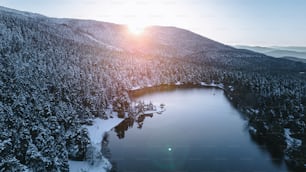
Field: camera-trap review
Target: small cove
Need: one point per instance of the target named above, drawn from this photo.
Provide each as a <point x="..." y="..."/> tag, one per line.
<point x="199" y="131"/>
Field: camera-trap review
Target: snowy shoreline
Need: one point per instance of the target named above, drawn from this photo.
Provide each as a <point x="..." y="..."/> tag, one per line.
<point x="96" y="133"/>
<point x="178" y="84"/>
<point x="100" y="127"/>
<point x="139" y="90"/>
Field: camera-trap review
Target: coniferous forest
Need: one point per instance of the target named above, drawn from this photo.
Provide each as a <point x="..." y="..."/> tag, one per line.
<point x="56" y="76"/>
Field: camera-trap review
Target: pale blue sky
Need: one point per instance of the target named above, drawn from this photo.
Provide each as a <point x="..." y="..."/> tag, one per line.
<point x="247" y="22"/>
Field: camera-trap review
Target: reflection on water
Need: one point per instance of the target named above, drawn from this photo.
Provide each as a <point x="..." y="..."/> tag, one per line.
<point x="138" y="112"/>
<point x="129" y="123"/>
<point x="200" y="131"/>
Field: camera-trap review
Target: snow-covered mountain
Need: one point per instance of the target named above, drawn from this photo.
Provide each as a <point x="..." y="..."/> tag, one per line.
<point x="58" y="74"/>
<point x="156" y="40"/>
<point x="167" y="42"/>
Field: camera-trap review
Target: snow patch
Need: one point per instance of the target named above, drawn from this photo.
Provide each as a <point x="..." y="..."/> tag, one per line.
<point x="212" y="85"/>
<point x="291" y="142"/>
<point x="231" y="88"/>
<point x="84" y="166"/>
<point x="96" y="133"/>
<point x="100" y="126"/>
<point x="203" y="84"/>
<point x="251" y="110"/>
<point x="135" y="88"/>
<point x="252" y="130"/>
<point x="178" y="83"/>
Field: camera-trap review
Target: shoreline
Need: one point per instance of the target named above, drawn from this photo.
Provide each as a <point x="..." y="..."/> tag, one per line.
<point x="139" y="91"/>
<point x="245" y="111"/>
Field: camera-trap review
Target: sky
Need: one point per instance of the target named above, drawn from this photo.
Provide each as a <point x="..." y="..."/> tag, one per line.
<point x="233" y="22"/>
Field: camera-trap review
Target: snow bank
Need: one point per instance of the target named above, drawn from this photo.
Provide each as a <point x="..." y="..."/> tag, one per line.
<point x="221" y="86"/>
<point x="253" y="111"/>
<point x="135" y="88"/>
<point x="96" y="133"/>
<point x="84" y="166"/>
<point x="100" y="126"/>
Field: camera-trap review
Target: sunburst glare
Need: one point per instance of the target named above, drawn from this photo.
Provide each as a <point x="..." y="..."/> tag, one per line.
<point x="136" y="29"/>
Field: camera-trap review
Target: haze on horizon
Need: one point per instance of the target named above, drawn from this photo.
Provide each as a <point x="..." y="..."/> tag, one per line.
<point x="233" y="22"/>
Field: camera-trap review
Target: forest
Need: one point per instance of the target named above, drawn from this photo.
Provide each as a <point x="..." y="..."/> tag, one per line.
<point x="52" y="84"/>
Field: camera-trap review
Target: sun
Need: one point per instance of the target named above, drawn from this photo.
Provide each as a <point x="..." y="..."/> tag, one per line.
<point x="136" y="29"/>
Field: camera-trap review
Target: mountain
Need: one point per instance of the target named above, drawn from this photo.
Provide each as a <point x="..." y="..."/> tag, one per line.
<point x="58" y="74"/>
<point x="155" y="40"/>
<point x="283" y="53"/>
<point x="277" y="51"/>
<point x="169" y="42"/>
<point x="295" y="59"/>
<point x="254" y="48"/>
<point x="290" y="48"/>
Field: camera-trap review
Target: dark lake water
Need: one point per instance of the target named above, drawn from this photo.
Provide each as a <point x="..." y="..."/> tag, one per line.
<point x="199" y="131"/>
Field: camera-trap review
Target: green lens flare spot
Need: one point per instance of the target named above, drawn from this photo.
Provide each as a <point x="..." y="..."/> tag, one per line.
<point x="169" y="149"/>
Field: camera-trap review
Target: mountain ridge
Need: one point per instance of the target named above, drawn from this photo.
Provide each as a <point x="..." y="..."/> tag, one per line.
<point x="158" y="40"/>
<point x="278" y="51"/>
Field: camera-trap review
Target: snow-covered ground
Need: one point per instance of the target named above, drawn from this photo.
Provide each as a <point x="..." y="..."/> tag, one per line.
<point x="221" y="86"/>
<point x="84" y="166"/>
<point x="135" y="88"/>
<point x="96" y="133"/>
<point x="99" y="127"/>
<point x="178" y="83"/>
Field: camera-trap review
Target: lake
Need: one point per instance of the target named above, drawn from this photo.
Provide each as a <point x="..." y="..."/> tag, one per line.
<point x="199" y="131"/>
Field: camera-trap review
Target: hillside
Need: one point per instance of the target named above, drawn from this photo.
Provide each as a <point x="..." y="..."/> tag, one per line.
<point x="166" y="41"/>
<point x="295" y="59"/>
<point x="58" y="74"/>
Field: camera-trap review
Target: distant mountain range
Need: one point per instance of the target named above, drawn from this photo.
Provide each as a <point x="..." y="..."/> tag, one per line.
<point x="291" y="53"/>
